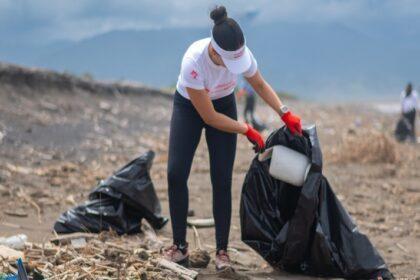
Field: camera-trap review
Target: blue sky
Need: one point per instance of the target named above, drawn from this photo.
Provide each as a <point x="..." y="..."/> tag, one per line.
<point x="50" y="20"/>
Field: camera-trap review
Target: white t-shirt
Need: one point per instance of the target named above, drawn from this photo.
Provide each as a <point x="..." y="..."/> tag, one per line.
<point x="408" y="103"/>
<point x="198" y="71"/>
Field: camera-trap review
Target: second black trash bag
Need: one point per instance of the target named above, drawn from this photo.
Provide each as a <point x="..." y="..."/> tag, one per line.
<point x="118" y="203"/>
<point x="304" y="230"/>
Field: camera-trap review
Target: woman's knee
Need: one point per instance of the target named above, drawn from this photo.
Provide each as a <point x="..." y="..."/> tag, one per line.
<point x="176" y="177"/>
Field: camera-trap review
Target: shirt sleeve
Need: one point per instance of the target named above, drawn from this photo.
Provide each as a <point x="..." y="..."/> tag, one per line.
<point x="253" y="68"/>
<point x="190" y="75"/>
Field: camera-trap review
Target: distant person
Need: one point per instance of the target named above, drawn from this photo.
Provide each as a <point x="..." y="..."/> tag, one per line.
<point x="406" y="127"/>
<point x="204" y="100"/>
<point x="246" y="90"/>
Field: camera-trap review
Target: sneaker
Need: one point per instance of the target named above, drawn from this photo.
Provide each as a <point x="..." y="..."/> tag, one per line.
<point x="222" y="260"/>
<point x="177" y="254"/>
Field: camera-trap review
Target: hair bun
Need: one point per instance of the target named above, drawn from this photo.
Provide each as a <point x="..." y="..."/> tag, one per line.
<point x="218" y="14"/>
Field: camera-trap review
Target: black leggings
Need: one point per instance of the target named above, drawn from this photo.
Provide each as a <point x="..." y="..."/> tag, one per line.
<point x="186" y="128"/>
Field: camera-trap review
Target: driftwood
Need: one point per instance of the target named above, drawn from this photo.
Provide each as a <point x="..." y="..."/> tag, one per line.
<point x="105" y="257"/>
<point x="200" y="223"/>
<point x="183" y="272"/>
<point x="66" y="239"/>
<point x="9" y="254"/>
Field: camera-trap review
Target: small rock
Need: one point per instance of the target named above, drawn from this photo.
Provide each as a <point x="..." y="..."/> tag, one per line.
<point x="105" y="106"/>
<point x="78" y="243"/>
<point x="70" y="200"/>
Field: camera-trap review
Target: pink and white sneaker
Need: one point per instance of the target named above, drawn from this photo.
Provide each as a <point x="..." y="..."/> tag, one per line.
<point x="222" y="261"/>
<point x="177" y="254"/>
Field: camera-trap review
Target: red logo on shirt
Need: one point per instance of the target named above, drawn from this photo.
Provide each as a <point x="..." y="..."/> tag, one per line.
<point x="194" y="74"/>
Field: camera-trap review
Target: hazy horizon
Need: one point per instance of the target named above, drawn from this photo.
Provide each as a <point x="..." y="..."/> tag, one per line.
<point x="316" y="49"/>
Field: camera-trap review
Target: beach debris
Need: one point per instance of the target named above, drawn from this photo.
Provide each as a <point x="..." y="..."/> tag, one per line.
<point x="365" y="147"/>
<point x="16" y="213"/>
<point x="28" y="199"/>
<point x="104" y="256"/>
<point x="119" y="202"/>
<point x="199" y="258"/>
<point x="183" y="272"/>
<point x="67" y="239"/>
<point x="9" y="254"/>
<point x="201" y="223"/>
<point x="22" y="274"/>
<point x="15" y="241"/>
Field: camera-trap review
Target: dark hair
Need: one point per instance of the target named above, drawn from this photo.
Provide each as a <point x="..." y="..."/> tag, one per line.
<point x="408" y="89"/>
<point x="226" y="31"/>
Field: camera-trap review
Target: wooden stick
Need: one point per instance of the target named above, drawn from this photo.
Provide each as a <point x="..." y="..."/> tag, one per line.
<point x="197" y="237"/>
<point x="28" y="199"/>
<point x="183" y="272"/>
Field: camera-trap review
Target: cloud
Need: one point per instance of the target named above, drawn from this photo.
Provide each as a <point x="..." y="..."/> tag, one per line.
<point x="78" y="19"/>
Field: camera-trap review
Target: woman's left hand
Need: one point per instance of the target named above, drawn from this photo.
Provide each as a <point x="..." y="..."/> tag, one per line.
<point x="292" y="122"/>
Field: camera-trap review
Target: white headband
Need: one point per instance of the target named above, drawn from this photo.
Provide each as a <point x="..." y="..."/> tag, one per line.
<point x="231" y="55"/>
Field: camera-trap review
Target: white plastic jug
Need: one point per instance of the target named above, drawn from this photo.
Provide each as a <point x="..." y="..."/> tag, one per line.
<point x="287" y="165"/>
<point x="15" y="241"/>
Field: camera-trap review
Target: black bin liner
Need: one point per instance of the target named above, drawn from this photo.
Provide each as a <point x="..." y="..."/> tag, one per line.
<point x="119" y="203"/>
<point x="403" y="129"/>
<point x="304" y="230"/>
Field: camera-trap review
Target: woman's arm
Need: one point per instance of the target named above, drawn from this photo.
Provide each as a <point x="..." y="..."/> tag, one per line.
<point x="265" y="91"/>
<point x="270" y="97"/>
<point x="210" y="116"/>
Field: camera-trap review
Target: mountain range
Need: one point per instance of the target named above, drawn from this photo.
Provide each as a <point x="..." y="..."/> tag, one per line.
<point x="322" y="62"/>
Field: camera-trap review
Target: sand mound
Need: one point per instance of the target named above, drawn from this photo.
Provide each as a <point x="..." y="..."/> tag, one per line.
<point x="364" y="147"/>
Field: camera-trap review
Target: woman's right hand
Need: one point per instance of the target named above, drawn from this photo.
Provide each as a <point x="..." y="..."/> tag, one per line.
<point x="255" y="138"/>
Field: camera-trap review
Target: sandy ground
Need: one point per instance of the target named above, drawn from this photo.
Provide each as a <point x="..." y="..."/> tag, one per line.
<point x="55" y="146"/>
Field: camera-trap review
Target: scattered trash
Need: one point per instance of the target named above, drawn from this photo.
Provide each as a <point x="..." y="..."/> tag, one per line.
<point x="105" y="256"/>
<point x="22" y="275"/>
<point x="119" y="203"/>
<point x="304" y="230"/>
<point x="15" y="241"/>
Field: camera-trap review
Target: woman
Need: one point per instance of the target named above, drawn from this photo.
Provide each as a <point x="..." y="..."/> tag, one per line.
<point x="204" y="100"/>
<point x="408" y="109"/>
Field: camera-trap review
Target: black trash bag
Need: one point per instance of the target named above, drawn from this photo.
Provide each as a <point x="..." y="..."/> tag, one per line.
<point x="304" y="230"/>
<point x="403" y="129"/>
<point x="119" y="203"/>
<point x="99" y="215"/>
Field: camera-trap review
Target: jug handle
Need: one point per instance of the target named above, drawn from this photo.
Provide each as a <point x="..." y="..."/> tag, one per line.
<point x="266" y="154"/>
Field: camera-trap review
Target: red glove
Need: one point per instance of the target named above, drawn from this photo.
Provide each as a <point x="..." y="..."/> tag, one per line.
<point x="292" y="122"/>
<point x="255" y="138"/>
